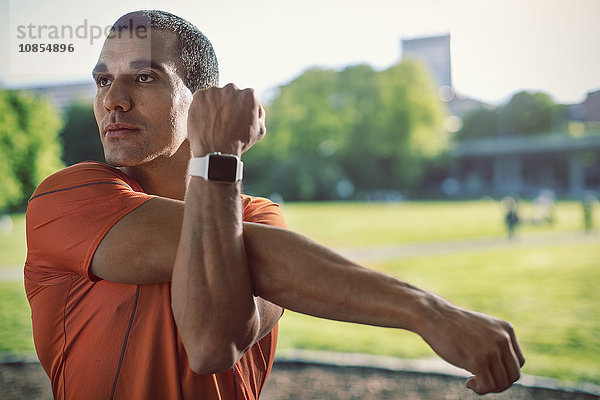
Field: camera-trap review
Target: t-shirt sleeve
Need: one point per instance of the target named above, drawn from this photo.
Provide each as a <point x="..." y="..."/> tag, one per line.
<point x="70" y="213"/>
<point x="263" y="211"/>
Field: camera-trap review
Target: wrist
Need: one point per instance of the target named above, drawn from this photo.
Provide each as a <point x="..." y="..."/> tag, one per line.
<point x="433" y="310"/>
<point x="203" y="149"/>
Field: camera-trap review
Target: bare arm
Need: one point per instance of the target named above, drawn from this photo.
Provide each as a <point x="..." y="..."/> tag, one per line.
<point x="301" y="275"/>
<point x="211" y="289"/>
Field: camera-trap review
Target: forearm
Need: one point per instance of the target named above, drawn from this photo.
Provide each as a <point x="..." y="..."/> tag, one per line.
<point x="299" y="274"/>
<point x="212" y="298"/>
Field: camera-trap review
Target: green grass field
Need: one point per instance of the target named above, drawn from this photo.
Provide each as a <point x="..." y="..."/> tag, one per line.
<point x="12" y="246"/>
<point x="15" y="321"/>
<point x="373" y="224"/>
<point x="551" y="293"/>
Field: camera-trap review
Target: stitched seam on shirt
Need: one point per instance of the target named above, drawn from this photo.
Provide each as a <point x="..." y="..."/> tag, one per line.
<point x="137" y="295"/>
<point x="78" y="187"/>
<point x="64" y="372"/>
<point x="234" y="383"/>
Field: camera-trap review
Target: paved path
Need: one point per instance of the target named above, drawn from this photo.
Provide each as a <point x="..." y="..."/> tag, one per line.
<point x="429" y="365"/>
<point x="14" y="273"/>
<point x="11" y="273"/>
<point x="472" y="245"/>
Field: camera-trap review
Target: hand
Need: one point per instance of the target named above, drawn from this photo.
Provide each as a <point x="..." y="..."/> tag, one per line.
<point x="225" y="119"/>
<point x="485" y="346"/>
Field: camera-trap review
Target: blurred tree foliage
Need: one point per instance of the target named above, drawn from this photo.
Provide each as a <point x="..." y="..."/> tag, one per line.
<point x="338" y="134"/>
<point x="80" y="139"/>
<point x="29" y="146"/>
<point x="531" y="113"/>
<point x="527" y="113"/>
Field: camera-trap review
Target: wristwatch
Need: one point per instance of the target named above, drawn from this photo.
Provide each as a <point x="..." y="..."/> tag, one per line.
<point x="218" y="167"/>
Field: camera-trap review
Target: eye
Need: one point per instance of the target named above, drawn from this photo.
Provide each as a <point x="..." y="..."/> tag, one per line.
<point x="103" y="81"/>
<point x="144" y="78"/>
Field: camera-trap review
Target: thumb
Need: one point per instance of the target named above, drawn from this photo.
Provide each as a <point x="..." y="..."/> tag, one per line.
<point x="472" y="383"/>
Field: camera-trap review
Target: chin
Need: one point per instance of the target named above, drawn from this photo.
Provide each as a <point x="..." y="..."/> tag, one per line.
<point x="125" y="159"/>
<point x="120" y="162"/>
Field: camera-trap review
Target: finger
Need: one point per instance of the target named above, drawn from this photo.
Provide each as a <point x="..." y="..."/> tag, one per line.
<point x="500" y="374"/>
<point x="515" y="346"/>
<point x="505" y="367"/>
<point x="475" y="385"/>
<point x="482" y="382"/>
<point x="512" y="364"/>
<point x="262" y="115"/>
<point x="231" y="85"/>
<point x="472" y="384"/>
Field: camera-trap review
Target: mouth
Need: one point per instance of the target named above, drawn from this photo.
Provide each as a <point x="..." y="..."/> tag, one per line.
<point x="114" y="130"/>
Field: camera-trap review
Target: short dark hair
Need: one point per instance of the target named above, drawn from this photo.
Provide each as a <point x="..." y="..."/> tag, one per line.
<point x="198" y="58"/>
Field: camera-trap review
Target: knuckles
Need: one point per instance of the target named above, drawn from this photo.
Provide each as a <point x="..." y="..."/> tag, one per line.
<point x="228" y="94"/>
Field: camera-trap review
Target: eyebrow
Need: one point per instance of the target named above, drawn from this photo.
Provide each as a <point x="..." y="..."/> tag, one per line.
<point x="135" y="64"/>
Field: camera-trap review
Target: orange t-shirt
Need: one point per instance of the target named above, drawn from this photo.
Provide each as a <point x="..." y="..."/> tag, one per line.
<point x="103" y="340"/>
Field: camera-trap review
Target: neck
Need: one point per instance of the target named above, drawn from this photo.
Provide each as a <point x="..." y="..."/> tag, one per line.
<point x="164" y="176"/>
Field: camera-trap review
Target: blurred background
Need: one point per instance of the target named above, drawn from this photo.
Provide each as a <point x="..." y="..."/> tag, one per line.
<point x="455" y="144"/>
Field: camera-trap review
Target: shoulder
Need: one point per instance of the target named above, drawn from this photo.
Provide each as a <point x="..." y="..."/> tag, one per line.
<point x="263" y="211"/>
<point x="81" y="175"/>
<point x="70" y="212"/>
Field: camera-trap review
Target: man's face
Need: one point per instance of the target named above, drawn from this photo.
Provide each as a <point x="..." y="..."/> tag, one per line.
<point x="142" y="103"/>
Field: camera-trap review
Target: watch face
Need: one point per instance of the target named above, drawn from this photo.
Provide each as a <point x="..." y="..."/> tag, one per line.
<point x="222" y="168"/>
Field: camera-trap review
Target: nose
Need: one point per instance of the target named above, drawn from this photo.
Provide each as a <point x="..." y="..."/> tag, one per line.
<point x="117" y="95"/>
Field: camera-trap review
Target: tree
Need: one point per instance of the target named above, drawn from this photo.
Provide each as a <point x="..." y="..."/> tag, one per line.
<point x="407" y="125"/>
<point x="482" y="122"/>
<point x="29" y="145"/>
<point x="80" y="139"/>
<point x="355" y="128"/>
<point x="9" y="127"/>
<point x="530" y="113"/>
<point x="298" y="121"/>
<point x="526" y="113"/>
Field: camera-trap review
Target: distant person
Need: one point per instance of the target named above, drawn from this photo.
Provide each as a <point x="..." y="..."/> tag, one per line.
<point x="588" y="203"/>
<point x="543" y="208"/>
<point x="153" y="277"/>
<point x="511" y="218"/>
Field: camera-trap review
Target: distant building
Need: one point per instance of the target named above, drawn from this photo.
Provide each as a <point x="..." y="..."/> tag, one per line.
<point x="588" y="110"/>
<point x="527" y="165"/>
<point x="567" y="162"/>
<point x="434" y="51"/>
<point x="460" y="105"/>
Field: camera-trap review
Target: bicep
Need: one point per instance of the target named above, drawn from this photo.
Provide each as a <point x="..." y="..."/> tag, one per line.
<point x="141" y="247"/>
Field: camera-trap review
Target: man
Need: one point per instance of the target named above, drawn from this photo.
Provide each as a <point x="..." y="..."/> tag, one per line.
<point x="142" y="278"/>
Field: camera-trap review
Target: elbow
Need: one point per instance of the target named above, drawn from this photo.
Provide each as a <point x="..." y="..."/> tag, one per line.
<point x="212" y="361"/>
<point x="217" y="352"/>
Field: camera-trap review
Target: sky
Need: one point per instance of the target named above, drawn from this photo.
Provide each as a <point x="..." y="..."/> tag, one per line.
<point x="497" y="47"/>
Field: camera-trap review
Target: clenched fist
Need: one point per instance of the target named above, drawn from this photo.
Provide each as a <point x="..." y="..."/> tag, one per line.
<point x="225" y="119"/>
<point x="485" y="346"/>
